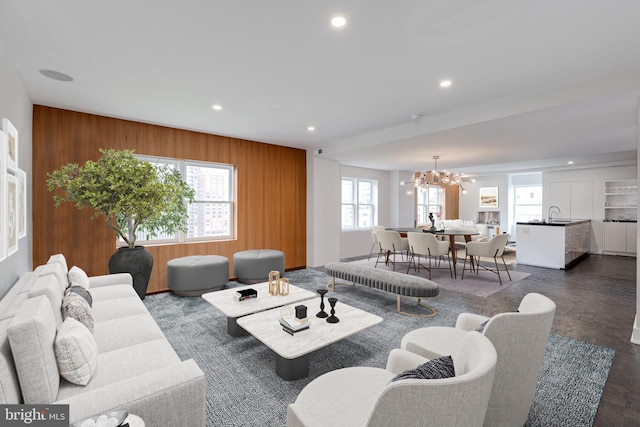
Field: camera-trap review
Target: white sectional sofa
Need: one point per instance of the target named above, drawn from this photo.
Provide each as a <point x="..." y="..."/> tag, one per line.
<point x="136" y="369"/>
<point x="459" y="224"/>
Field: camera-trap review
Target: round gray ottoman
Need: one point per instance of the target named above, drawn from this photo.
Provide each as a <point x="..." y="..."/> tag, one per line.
<point x="197" y="274"/>
<point x="254" y="266"/>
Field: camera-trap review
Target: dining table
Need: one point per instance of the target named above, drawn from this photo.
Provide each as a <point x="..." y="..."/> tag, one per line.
<point x="452" y="239"/>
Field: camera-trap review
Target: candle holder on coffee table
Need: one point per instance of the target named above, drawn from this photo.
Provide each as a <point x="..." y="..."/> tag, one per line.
<point x="322" y="313"/>
<point x="333" y="318"/>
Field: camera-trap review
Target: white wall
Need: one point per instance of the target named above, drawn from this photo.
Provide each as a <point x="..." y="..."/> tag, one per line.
<point x="16" y="105"/>
<point x="470" y="202"/>
<point x="326" y="242"/>
<point x="323" y="210"/>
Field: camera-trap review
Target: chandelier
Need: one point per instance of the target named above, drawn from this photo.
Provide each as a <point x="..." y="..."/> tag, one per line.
<point x="433" y="177"/>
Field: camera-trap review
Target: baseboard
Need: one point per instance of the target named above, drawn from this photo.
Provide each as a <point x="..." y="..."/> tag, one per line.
<point x="635" y="335"/>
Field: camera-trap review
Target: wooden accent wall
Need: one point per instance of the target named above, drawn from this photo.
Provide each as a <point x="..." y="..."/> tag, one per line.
<point x="452" y="201"/>
<point x="270" y="204"/>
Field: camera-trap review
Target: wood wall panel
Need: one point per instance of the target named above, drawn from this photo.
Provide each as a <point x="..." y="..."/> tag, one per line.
<point x="452" y="201"/>
<point x="271" y="190"/>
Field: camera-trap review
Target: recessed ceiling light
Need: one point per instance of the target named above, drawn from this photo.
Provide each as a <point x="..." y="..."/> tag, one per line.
<point x="311" y="128"/>
<point x="217" y="107"/>
<point x="56" y="75"/>
<point x="445" y="83"/>
<point x="570" y="162"/>
<point x="338" y="21"/>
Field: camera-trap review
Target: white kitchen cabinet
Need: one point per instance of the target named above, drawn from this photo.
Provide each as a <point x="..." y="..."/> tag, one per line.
<point x="574" y="198"/>
<point x="620" y="238"/>
<point x="632" y="238"/>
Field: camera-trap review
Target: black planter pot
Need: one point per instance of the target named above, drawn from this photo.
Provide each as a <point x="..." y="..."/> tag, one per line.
<point x="137" y="261"/>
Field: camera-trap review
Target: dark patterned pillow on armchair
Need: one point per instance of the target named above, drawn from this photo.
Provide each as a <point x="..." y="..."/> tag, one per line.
<point x="435" y="369"/>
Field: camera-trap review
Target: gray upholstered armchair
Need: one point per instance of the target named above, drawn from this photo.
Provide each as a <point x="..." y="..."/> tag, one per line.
<point x="520" y="338"/>
<point x="363" y="396"/>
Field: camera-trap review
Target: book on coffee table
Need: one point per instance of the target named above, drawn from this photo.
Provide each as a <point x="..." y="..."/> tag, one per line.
<point x="245" y="294"/>
<point x="293" y="325"/>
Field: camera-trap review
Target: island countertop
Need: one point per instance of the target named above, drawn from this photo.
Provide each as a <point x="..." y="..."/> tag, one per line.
<point x="559" y="244"/>
<point x="556" y="222"/>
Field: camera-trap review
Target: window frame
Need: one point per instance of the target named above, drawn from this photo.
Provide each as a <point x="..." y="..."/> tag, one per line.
<point x="357" y="205"/>
<point x="437" y="208"/>
<point x="181" y="165"/>
<point x="516" y="204"/>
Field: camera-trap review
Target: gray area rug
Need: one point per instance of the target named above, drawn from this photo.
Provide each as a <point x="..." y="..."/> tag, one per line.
<point x="482" y="284"/>
<point x="244" y="390"/>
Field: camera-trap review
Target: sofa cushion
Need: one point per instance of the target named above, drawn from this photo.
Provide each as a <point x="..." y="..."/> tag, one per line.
<point x="60" y="259"/>
<point x="106" y="293"/>
<point x="125" y="331"/>
<point x="31" y="335"/>
<point x="435" y="369"/>
<point x="55" y="269"/>
<point x="10" y="303"/>
<point x="76" y="352"/>
<point x="117" y="308"/>
<point x="74" y="305"/>
<point x="77" y="276"/>
<point x="9" y="384"/>
<point x="47" y="285"/>
<point x="122" y="364"/>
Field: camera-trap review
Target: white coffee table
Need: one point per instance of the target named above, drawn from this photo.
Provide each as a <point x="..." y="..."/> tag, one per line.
<point x="293" y="352"/>
<point x="224" y="301"/>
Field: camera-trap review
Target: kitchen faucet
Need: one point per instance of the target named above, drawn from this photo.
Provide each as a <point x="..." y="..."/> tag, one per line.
<point x="549" y="217"/>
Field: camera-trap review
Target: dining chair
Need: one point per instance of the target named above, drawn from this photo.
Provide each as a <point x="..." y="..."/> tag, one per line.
<point x="374" y="238"/>
<point x="494" y="248"/>
<point x="391" y="243"/>
<point x="427" y="245"/>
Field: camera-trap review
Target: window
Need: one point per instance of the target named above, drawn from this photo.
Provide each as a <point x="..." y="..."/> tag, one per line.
<point x="528" y="203"/>
<point x="359" y="203"/>
<point x="428" y="200"/>
<point x="211" y="215"/>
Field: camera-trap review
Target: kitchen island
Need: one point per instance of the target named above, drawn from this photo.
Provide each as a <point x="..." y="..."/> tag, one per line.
<point x="557" y="244"/>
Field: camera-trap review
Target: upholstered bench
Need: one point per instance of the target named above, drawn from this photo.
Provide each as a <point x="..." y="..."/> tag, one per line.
<point x="397" y="283"/>
<point x="254" y="266"/>
<point x="197" y="274"/>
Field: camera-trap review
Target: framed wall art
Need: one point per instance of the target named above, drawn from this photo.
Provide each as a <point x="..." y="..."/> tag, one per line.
<point x="12" y="144"/>
<point x="21" y="177"/>
<point x="489" y="197"/>
<point x="3" y="195"/>
<point x="11" y="224"/>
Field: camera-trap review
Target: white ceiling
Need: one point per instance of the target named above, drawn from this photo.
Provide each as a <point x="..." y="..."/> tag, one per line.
<point x="535" y="83"/>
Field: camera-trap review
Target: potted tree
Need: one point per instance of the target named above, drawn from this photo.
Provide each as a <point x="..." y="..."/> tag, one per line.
<point x="134" y="196"/>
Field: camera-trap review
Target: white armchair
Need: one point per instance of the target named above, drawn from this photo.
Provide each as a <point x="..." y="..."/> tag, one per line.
<point x="520" y="339"/>
<point x="494" y="248"/>
<point x="363" y="396"/>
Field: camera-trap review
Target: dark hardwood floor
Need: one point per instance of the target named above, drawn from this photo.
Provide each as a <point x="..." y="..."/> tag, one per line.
<point x="596" y="303"/>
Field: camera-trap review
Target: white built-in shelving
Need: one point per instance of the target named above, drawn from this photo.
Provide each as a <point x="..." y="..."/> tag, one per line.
<point x="621" y="200"/>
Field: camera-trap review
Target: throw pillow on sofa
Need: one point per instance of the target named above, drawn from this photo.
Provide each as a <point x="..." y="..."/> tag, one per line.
<point x="77" y="276"/>
<point x="75" y="306"/>
<point x="84" y="293"/>
<point x="76" y="352"/>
